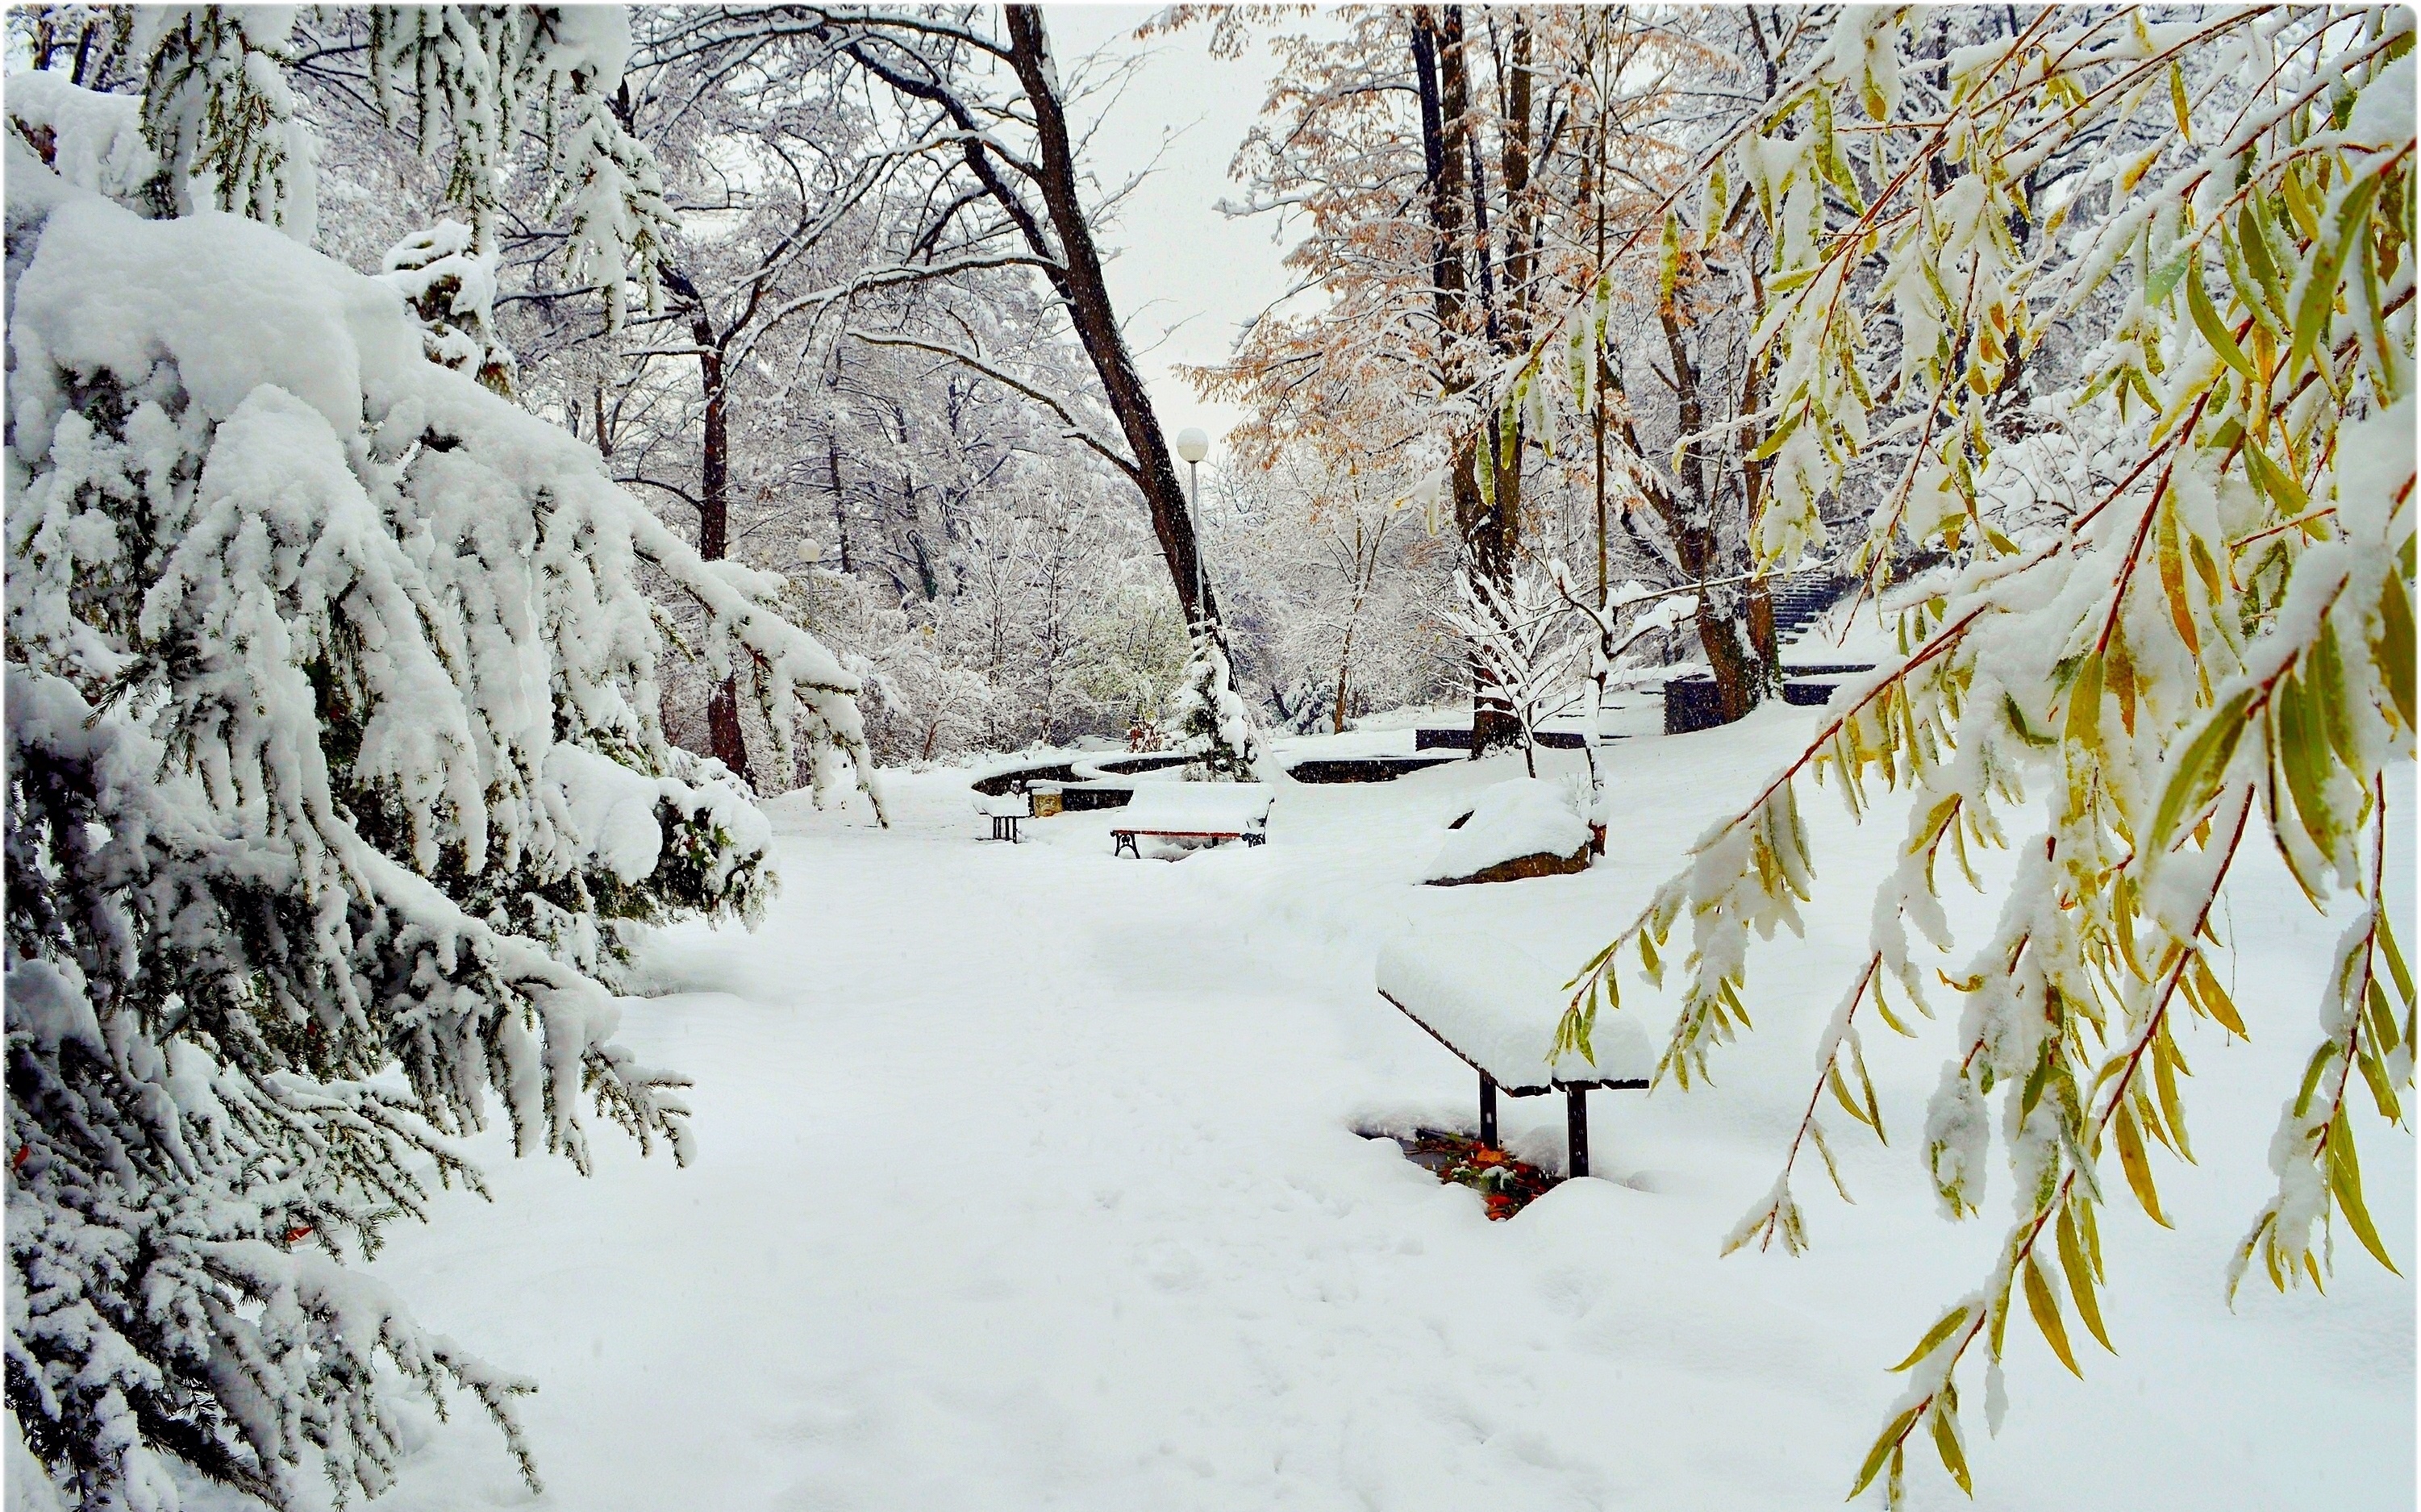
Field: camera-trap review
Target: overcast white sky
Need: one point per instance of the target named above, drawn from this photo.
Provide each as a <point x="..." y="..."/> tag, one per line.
<point x="1186" y="279"/>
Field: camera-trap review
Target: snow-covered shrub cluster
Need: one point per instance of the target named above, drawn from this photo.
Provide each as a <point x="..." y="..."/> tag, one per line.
<point x="337" y="781"/>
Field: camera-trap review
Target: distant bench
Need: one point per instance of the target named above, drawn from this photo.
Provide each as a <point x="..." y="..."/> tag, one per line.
<point x="1005" y="810"/>
<point x="1496" y="1009"/>
<point x="1193" y="811"/>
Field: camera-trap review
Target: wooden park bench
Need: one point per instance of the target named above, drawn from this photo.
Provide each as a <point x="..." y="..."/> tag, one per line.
<point x="1496" y="1009"/>
<point x="1213" y="811"/>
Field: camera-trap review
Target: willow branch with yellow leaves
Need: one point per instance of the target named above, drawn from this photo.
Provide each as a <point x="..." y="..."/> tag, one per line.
<point x="2186" y="248"/>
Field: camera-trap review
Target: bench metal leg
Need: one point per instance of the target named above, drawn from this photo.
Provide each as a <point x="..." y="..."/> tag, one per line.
<point x="1124" y="844"/>
<point x="1576" y="1131"/>
<point x="1487" y="1112"/>
<point x="1251" y="838"/>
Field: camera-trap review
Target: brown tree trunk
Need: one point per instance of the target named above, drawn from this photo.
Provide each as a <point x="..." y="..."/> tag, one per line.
<point x="1493" y="537"/>
<point x="1443" y="78"/>
<point x="714" y="535"/>
<point x="1690" y="518"/>
<point x="1081" y="286"/>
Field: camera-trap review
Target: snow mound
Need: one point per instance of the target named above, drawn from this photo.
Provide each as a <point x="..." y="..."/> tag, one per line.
<point x="1496" y="1005"/>
<point x="1525" y="817"/>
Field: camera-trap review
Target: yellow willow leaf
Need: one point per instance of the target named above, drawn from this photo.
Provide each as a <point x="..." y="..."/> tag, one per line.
<point x="2165" y="1078"/>
<point x="1841" y="1094"/>
<point x="2345" y="1180"/>
<point x="2394" y="649"/>
<point x="2173" y="581"/>
<point x="2045" y="1307"/>
<point x="2120" y="673"/>
<point x="2138" y="1168"/>
<point x="2206" y="321"/>
<point x="1950" y="1323"/>
<point x="1882" y="1451"/>
<point x="1953" y="1459"/>
<point x="2080" y="1279"/>
<point x="2135" y="170"/>
<point x="2085" y="705"/>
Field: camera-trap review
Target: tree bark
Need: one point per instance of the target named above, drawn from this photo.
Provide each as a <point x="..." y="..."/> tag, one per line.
<point x="724" y="736"/>
<point x="1084" y="291"/>
<point x="1493" y="537"/>
<point x="1689" y="514"/>
<point x="1443" y="80"/>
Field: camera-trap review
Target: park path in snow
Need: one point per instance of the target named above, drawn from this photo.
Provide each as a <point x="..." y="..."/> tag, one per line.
<point x="1028" y="1178"/>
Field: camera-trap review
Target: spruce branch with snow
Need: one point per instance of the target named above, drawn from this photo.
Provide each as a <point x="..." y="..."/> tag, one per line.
<point x="451" y="287"/>
<point x="484" y="75"/>
<point x="2186" y="247"/>
<point x="219" y="112"/>
<point x="335" y="788"/>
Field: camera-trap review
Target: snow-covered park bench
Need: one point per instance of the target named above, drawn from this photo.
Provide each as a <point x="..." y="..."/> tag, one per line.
<point x="1004" y="810"/>
<point x="1193" y="811"/>
<point x="1496" y="1008"/>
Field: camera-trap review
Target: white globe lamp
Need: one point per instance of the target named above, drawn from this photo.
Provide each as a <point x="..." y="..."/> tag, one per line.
<point x="1192" y="444"/>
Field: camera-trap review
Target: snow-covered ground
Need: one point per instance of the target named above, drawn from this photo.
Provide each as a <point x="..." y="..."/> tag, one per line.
<point x="1029" y="1177"/>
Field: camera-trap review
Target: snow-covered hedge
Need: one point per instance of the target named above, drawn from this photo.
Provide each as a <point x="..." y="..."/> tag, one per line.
<point x="336" y="780"/>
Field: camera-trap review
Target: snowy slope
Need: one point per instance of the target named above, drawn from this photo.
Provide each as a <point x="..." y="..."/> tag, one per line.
<point x="1028" y="1178"/>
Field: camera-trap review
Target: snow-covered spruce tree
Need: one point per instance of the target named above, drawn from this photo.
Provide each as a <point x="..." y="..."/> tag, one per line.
<point x="334" y="783"/>
<point x="1213" y="724"/>
<point x="2134" y="302"/>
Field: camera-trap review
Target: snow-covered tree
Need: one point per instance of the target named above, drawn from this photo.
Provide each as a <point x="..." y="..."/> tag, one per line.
<point x="1461" y="177"/>
<point x="2126" y="305"/>
<point x="1337" y="567"/>
<point x="1524" y="641"/>
<point x="335" y="789"/>
<point x="1213" y="724"/>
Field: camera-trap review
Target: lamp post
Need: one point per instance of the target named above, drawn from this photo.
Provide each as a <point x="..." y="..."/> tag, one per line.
<point x="1192" y="444"/>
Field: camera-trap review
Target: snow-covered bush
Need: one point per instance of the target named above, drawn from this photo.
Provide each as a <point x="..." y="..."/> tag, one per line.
<point x="336" y="780"/>
<point x="1214" y="727"/>
<point x="1524" y="639"/>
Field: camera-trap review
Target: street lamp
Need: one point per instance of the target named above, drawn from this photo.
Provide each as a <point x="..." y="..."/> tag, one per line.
<point x="1192" y="444"/>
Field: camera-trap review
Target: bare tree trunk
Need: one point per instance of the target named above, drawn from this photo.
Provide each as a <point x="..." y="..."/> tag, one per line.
<point x="1689" y="517"/>
<point x="1451" y="156"/>
<point x="1084" y="291"/>
<point x="1493" y="537"/>
<point x="714" y="534"/>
